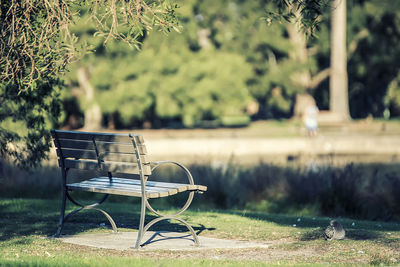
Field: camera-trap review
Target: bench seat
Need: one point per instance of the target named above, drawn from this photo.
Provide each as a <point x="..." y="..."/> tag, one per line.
<point x="132" y="187"/>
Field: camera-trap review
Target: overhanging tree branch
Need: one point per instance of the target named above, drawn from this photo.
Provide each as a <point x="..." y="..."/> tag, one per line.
<point x="36" y="46"/>
<point x="364" y="33"/>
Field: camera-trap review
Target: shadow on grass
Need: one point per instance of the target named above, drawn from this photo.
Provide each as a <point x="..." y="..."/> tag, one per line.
<point x="28" y="217"/>
<point x="24" y="217"/>
<point x="316" y="234"/>
<point x="363" y="234"/>
<point x="362" y="230"/>
<point x="310" y="222"/>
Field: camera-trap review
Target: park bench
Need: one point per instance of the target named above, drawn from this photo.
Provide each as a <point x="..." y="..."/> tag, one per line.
<point x="116" y="154"/>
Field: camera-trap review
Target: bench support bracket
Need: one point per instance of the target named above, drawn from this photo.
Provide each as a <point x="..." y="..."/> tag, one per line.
<point x="145" y="204"/>
<point x="65" y="195"/>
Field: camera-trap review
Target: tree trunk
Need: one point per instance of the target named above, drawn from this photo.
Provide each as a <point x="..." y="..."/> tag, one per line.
<point x="92" y="111"/>
<point x="300" y="54"/>
<point x="338" y="83"/>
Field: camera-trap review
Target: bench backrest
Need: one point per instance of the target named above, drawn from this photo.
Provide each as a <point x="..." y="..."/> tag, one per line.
<point x="120" y="153"/>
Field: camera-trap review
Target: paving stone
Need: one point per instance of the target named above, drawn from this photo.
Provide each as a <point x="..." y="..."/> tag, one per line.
<point x="157" y="241"/>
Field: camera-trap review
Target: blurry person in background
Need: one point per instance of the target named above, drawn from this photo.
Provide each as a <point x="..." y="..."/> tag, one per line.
<point x="310" y="119"/>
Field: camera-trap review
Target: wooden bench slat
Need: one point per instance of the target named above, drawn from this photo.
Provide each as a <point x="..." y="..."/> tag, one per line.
<point x="111" y="167"/>
<point x="178" y="186"/>
<point x="120" y="188"/>
<point x="91" y="154"/>
<point x="106" y="191"/>
<point x="102" y="146"/>
<point x="116" y="183"/>
<point x="107" y="137"/>
<point x="149" y="185"/>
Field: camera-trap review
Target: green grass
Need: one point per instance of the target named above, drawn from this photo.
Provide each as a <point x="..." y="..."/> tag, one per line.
<point x="25" y="224"/>
<point x="117" y="261"/>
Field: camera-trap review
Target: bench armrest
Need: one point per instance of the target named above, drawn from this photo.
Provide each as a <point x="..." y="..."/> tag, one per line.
<point x="156" y="164"/>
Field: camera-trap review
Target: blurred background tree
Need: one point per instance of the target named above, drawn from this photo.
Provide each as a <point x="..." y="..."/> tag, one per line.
<point x="287" y="67"/>
<point x="372" y="56"/>
<point x="375" y="59"/>
<point x="338" y="82"/>
<point x="258" y="70"/>
<point x="234" y="61"/>
<point x="167" y="83"/>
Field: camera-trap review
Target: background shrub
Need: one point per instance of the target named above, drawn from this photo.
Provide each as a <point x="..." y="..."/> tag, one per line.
<point x="364" y="191"/>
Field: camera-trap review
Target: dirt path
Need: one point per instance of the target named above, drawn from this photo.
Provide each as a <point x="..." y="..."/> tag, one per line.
<point x="249" y="149"/>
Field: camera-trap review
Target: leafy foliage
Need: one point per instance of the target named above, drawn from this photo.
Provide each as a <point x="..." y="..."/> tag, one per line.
<point x="186" y="86"/>
<point x="167" y="83"/>
<point x="237" y="27"/>
<point x="168" y="94"/>
<point x="28" y="141"/>
<point x="392" y="98"/>
<point x="307" y="11"/>
<point x="377" y="59"/>
<point x="30" y="45"/>
<point x="35" y="47"/>
<point x="28" y="83"/>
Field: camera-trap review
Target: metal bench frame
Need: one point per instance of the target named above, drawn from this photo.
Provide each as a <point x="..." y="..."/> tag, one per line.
<point x="143" y="181"/>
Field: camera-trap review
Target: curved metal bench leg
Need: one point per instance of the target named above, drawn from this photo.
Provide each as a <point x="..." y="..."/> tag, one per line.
<point x="110" y="219"/>
<point x="64" y="218"/>
<point x="145" y="204"/>
<point x="92" y="206"/>
<point x="190" y="228"/>
<point x="162" y="217"/>
<point x="62" y="214"/>
<point x="151" y="223"/>
<point x="141" y="223"/>
<point x="72" y="213"/>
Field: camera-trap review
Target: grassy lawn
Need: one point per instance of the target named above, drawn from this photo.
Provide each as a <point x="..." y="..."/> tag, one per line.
<point x="26" y="224"/>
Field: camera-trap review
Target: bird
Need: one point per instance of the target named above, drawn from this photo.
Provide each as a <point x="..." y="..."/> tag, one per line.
<point x="334" y="231"/>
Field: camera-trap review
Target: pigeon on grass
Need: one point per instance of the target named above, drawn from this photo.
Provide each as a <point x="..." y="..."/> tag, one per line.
<point x="334" y="231"/>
